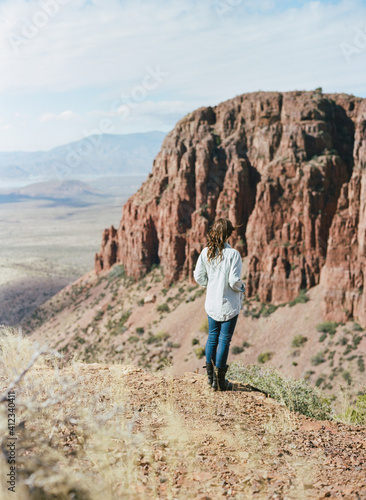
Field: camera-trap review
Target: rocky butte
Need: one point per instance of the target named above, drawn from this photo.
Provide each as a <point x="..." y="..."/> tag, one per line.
<point x="288" y="166"/>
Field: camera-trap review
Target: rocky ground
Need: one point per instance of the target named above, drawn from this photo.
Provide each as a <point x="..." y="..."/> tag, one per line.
<point x="206" y="445"/>
<point x="243" y="445"/>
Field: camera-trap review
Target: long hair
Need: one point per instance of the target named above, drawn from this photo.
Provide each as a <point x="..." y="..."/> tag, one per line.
<point x="217" y="236"/>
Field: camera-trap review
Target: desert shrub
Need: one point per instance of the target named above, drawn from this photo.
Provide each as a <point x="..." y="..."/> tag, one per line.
<point x="140" y="330"/>
<point x="356" y="339"/>
<point x="264" y="357"/>
<point x="117" y="271"/>
<point x="265" y="310"/>
<point x="297" y="395"/>
<point x="268" y="309"/>
<point x="318" y="358"/>
<point x="236" y="349"/>
<point x="348" y="349"/>
<point x="195" y="341"/>
<point x="204" y="326"/>
<point x="322" y="337"/>
<point x="300" y="299"/>
<point x="327" y="327"/>
<point x="347" y="377"/>
<point x="298" y="340"/>
<point x="246" y="344"/>
<point x="99" y="316"/>
<point x="319" y="381"/>
<point x="356" y="414"/>
<point x="163" y="308"/>
<point x="199" y="352"/>
<point x="125" y="317"/>
<point x="162" y="335"/>
<point x="357" y="327"/>
<point x="361" y="364"/>
<point x="141" y="302"/>
<point x="199" y="293"/>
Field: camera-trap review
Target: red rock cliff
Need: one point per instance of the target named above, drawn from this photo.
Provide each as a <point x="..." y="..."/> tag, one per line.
<point x="288" y="166"/>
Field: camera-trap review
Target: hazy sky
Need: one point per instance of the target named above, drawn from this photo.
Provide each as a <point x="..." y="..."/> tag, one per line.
<point x="68" y="67"/>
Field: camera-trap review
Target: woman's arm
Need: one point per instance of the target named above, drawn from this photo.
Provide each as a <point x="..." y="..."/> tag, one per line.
<point x="235" y="271"/>
<point x="200" y="272"/>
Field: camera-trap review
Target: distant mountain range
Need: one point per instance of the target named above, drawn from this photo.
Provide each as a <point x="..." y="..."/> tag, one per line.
<point x="92" y="157"/>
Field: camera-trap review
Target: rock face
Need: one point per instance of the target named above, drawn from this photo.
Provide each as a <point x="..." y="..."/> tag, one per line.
<point x="287" y="167"/>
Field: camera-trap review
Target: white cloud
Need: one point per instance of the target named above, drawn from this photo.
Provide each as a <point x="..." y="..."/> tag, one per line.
<point x="65" y="115"/>
<point x="95" y="52"/>
<point x="98" y="43"/>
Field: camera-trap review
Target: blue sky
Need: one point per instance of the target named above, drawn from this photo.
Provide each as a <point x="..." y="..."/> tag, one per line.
<point x="71" y="67"/>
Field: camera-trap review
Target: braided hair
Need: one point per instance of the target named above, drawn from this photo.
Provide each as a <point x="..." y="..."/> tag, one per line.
<point x="217" y="236"/>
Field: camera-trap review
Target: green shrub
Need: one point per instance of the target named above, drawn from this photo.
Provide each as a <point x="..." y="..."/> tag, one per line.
<point x="347" y="377"/>
<point x="140" y="330"/>
<point x="125" y="317"/>
<point x="162" y="335"/>
<point x="348" y="349"/>
<point x="327" y="327"/>
<point x="199" y="352"/>
<point x="356" y="339"/>
<point x="237" y="349"/>
<point x="264" y="357"/>
<point x="163" y="308"/>
<point x="300" y="299"/>
<point x="246" y="344"/>
<point x="268" y="309"/>
<point x="357" y="327"/>
<point x="298" y="341"/>
<point x="318" y="359"/>
<point x="297" y="395"/>
<point x="117" y="271"/>
<point x="204" y="326"/>
<point x="361" y="364"/>
<point x="99" y="316"/>
<point x="319" y="381"/>
<point x="357" y="415"/>
<point x="195" y="341"/>
<point x="322" y="337"/>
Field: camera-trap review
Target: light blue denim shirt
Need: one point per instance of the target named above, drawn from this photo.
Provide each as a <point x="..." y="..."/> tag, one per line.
<point x="225" y="289"/>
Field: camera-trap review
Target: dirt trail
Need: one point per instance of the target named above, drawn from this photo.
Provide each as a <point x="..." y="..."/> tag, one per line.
<point x="238" y="444"/>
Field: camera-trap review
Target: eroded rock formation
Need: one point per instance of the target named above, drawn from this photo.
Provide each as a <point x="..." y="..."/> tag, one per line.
<point x="287" y="166"/>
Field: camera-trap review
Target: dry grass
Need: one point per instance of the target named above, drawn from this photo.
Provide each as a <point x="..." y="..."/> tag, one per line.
<point x="73" y="437"/>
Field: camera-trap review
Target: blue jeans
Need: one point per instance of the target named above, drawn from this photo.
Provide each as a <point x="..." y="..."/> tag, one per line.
<point x="218" y="341"/>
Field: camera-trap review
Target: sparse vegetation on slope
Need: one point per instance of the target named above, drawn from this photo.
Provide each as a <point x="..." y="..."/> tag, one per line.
<point x="297" y="395"/>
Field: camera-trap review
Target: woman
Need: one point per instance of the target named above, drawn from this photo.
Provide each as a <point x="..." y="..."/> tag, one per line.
<point x="218" y="268"/>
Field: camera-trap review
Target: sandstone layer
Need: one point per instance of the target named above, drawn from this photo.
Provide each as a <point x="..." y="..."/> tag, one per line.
<point x="288" y="168"/>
